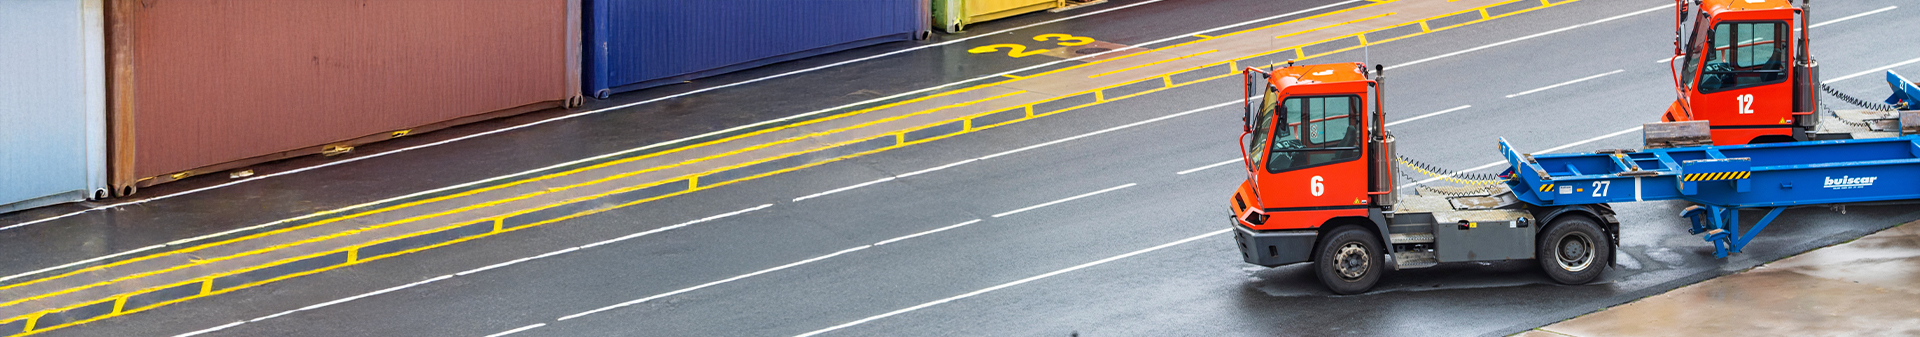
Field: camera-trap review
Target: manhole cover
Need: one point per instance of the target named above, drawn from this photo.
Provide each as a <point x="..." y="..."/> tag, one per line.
<point x="1085" y="51"/>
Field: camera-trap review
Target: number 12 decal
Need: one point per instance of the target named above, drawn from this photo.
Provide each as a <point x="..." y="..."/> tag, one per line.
<point x="1600" y="188"/>
<point x="1746" y="103"/>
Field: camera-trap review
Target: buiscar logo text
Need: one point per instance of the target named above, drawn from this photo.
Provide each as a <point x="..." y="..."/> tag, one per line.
<point x="1845" y="182"/>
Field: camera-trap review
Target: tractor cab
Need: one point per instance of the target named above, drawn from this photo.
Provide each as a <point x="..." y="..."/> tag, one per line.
<point x="1743" y="67"/>
<point x="1304" y="143"/>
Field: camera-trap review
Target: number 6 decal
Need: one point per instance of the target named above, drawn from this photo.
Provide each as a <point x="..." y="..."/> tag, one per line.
<point x="1316" y="187"/>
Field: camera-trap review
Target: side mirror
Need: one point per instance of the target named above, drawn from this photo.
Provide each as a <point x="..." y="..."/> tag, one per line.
<point x="1246" y="103"/>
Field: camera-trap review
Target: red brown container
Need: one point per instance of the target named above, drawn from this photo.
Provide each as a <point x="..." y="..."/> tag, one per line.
<point x="201" y="86"/>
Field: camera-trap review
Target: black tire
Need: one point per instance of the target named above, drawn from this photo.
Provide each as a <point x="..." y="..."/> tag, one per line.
<point x="1350" y="260"/>
<point x="1573" y="250"/>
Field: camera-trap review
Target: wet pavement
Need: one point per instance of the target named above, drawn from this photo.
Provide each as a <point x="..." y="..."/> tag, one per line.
<point x="1865" y="287"/>
<point x="1136" y="260"/>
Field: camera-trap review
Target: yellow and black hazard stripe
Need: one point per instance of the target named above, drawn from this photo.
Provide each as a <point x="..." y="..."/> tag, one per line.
<point x="1717" y="176"/>
<point x="1546" y="188"/>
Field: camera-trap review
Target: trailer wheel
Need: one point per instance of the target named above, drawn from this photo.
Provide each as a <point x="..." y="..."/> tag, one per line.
<point x="1350" y="260"/>
<point x="1573" y="251"/>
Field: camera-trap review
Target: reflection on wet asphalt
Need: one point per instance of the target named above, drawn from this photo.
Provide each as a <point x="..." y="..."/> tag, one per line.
<point x="1867" y="287"/>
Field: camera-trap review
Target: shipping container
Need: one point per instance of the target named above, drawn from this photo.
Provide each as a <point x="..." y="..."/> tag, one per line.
<point x="52" y="102"/>
<point x="201" y="86"/>
<point x="636" y="44"/>
<point x="954" y="15"/>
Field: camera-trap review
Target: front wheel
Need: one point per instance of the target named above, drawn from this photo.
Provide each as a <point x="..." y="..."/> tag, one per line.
<point x="1350" y="260"/>
<point x="1573" y="251"/>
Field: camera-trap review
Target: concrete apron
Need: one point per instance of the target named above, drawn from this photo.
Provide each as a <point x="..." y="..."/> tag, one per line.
<point x="161" y="278"/>
<point x="1867" y="287"/>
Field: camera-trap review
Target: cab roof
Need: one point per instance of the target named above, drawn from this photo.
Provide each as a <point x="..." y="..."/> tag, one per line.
<point x="1717" y="6"/>
<point x="1318" y="73"/>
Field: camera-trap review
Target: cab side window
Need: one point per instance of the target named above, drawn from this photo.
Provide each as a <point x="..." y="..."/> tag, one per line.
<point x="1744" y="54"/>
<point x="1327" y="132"/>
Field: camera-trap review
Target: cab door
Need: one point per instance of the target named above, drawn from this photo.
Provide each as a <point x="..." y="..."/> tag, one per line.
<point x="1743" y="78"/>
<point x="1312" y="170"/>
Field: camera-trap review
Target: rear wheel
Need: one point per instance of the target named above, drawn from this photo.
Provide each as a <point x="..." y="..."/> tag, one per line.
<point x="1573" y="251"/>
<point x="1350" y="260"/>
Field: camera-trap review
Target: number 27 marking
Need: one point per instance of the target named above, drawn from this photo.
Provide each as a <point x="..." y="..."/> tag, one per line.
<point x="1600" y="188"/>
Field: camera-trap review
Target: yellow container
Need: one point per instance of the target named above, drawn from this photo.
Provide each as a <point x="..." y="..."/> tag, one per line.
<point x="954" y="15"/>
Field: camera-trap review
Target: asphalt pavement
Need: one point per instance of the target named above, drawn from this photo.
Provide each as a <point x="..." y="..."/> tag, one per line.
<point x="1137" y="250"/>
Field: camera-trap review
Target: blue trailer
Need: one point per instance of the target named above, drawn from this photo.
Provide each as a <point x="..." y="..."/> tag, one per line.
<point x="1725" y="179"/>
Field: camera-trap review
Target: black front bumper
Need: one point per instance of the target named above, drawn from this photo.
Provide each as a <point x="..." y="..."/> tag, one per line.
<point x="1274" y="248"/>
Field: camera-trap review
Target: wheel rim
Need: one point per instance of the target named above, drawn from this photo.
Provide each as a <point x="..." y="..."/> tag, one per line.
<point x="1574" y="252"/>
<point x="1351" y="261"/>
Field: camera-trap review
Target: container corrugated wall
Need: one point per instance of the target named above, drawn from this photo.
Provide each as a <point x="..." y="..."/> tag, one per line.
<point x="953" y="16"/>
<point x="635" y="44"/>
<point x="206" y="85"/>
<point x="52" y="102"/>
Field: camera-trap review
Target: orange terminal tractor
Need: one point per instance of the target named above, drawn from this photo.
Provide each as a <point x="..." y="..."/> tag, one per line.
<point x="1320" y="188"/>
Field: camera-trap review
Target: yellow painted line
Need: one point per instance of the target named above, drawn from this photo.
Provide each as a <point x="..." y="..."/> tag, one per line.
<point x="1202" y="36"/>
<point x="1321" y="15"/>
<point x="1149" y="64"/>
<point x="1435" y="30"/>
<point x="423" y="217"/>
<point x="693" y="185"/>
<point x="462" y="209"/>
<point x="1012" y="77"/>
<point x="1376" y="16"/>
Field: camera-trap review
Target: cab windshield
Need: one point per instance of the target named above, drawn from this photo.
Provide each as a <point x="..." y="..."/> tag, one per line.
<point x="1328" y="132"/>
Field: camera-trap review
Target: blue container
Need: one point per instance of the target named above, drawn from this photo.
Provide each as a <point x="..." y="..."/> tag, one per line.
<point x="52" y="102"/>
<point x="636" y="44"/>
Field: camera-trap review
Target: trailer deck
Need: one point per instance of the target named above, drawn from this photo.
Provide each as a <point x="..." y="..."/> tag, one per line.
<point x="1725" y="179"/>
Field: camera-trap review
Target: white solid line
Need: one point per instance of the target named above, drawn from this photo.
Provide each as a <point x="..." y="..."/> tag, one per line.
<point x="81" y="262"/>
<point x="524" y="328"/>
<point x="1051" y="203"/>
<point x="1855" y="16"/>
<point x="736" y="278"/>
<point x="212" y="329"/>
<point x="1668" y="59"/>
<point x="1565" y="83"/>
<point x="1874" y="70"/>
<point x="937" y="168"/>
<point x="1213" y="165"/>
<point x="1504" y="162"/>
<point x="709" y="284"/>
<point x="935" y="230"/>
<point x="1090" y="134"/>
<point x="1431" y="114"/>
<point x="673" y="227"/>
<point x="1496" y="44"/>
<point x="355" y="297"/>
<point x="1014" y="283"/>
<point x="1243" y="23"/>
<point x="516" y="261"/>
<point x="843" y="189"/>
<point x="613" y="240"/>
<point x="1029" y="147"/>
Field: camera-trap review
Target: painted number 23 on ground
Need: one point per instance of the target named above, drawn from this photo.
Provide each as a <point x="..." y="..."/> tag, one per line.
<point x="1015" y="50"/>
